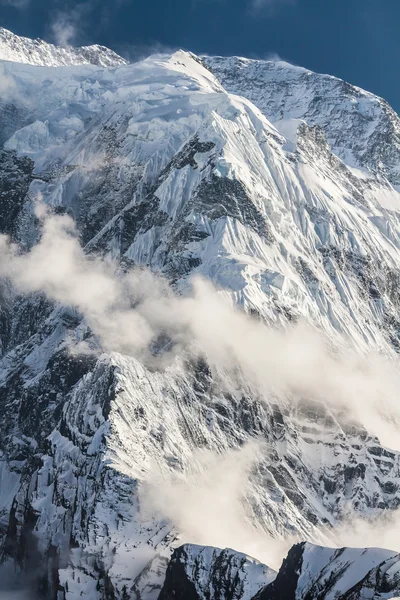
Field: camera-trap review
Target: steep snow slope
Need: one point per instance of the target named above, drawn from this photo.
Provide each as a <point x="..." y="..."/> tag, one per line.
<point x="37" y="52"/>
<point x="161" y="167"/>
<point x="362" y="129"/>
<point x="288" y="234"/>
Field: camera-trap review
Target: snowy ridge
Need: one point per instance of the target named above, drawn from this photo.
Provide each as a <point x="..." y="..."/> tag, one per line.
<point x="307" y="572"/>
<point x="347" y="573"/>
<point x="38" y="52"/>
<point x="361" y="128"/>
<point x="162" y="167"/>
<point x="197" y="573"/>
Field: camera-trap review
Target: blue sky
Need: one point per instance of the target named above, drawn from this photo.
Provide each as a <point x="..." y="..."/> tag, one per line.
<point x="357" y="40"/>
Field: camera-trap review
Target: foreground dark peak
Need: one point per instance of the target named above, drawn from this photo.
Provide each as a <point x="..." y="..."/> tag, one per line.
<point x="307" y="573"/>
<point x="196" y="573"/>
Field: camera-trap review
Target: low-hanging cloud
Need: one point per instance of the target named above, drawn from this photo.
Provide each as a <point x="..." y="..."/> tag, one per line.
<point x="207" y="504"/>
<point x="382" y="530"/>
<point x="128" y="311"/>
<point x="8" y="86"/>
<point x="11" y="93"/>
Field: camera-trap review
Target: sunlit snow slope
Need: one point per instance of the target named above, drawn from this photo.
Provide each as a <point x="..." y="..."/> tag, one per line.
<point x="37" y="52"/>
<point x="362" y="129"/>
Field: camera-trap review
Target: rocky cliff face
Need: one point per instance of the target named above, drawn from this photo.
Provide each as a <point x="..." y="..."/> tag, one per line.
<point x="323" y="573"/>
<point x="161" y="167"/>
<point x="197" y="573"/>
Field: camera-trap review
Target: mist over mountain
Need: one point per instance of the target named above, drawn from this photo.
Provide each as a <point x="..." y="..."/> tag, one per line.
<point x="199" y="329"/>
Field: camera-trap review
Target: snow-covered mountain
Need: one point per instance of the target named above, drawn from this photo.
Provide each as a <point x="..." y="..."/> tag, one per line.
<point x="162" y="166"/>
<point x="195" y="573"/>
<point x="347" y="573"/>
<point x="308" y="572"/>
<point x="361" y="128"/>
<point x="38" y="52"/>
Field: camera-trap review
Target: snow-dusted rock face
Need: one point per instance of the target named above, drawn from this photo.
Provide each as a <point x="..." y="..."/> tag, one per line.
<point x="313" y="572"/>
<point x="198" y="573"/>
<point x="37" y="52"/>
<point x="362" y="129"/>
<point x="161" y="167"/>
<point x="308" y="572"/>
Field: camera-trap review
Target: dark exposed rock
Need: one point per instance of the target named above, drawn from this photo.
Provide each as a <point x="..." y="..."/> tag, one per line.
<point x="285" y="584"/>
<point x="187" y="155"/>
<point x="204" y="573"/>
<point x="177" y="585"/>
<point x="223" y="197"/>
<point x="315" y="573"/>
<point x="15" y="178"/>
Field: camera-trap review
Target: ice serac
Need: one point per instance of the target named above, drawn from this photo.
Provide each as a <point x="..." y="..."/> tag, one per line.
<point x="20" y="49"/>
<point x="162" y="167"/>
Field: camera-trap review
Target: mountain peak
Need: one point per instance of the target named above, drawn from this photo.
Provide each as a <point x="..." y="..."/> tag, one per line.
<point x="282" y="91"/>
<point x="20" y="49"/>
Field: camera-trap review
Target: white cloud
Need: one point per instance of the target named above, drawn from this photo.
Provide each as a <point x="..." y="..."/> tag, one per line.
<point x="207" y="503"/>
<point x="64" y="29"/>
<point x="364" y="388"/>
<point x="9" y="92"/>
<point x="381" y="531"/>
<point x="67" y="25"/>
<point x="8" y="87"/>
